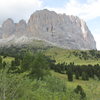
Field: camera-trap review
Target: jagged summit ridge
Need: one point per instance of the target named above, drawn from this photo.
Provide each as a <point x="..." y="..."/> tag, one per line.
<point x="64" y="31"/>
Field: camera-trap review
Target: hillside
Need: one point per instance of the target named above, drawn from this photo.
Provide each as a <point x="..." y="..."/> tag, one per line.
<point x="77" y="56"/>
<point x="60" y="55"/>
<point x="53" y="87"/>
<point x="42" y="71"/>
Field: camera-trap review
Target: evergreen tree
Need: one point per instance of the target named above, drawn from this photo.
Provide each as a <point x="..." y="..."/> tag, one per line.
<point x="0" y="59"/>
<point x="4" y="64"/>
<point x="27" y="61"/>
<point x="79" y="90"/>
<point x="40" y="66"/>
<point x="85" y="76"/>
<point x="17" y="62"/>
<point x="77" y="75"/>
<point x="70" y="75"/>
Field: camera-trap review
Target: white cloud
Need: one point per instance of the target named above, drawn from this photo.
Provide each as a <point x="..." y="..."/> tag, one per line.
<point x="87" y="11"/>
<point x="18" y="9"/>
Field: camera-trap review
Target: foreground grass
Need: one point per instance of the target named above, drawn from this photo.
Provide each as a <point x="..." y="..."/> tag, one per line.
<point x="27" y="89"/>
<point x="91" y="87"/>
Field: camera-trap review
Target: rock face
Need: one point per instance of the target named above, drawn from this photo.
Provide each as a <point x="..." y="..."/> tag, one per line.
<point x="64" y="31"/>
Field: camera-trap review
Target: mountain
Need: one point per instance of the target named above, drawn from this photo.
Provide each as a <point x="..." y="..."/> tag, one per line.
<point x="60" y="30"/>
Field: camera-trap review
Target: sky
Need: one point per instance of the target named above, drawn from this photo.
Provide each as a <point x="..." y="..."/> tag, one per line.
<point x="88" y="10"/>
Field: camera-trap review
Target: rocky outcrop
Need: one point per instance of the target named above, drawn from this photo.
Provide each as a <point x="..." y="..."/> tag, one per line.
<point x="64" y="31"/>
<point x="8" y="28"/>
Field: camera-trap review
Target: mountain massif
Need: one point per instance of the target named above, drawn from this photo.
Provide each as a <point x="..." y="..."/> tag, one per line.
<point x="60" y="30"/>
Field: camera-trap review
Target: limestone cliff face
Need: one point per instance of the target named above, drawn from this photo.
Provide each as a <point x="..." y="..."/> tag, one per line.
<point x="64" y="31"/>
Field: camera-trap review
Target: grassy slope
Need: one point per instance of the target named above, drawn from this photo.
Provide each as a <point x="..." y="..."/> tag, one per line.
<point x="62" y="55"/>
<point x="91" y="87"/>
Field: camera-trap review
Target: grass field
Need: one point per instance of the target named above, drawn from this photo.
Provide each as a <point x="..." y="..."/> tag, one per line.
<point x="62" y="55"/>
<point x="91" y="87"/>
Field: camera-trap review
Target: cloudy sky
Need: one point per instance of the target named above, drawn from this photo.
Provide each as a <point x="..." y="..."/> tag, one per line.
<point x="89" y="10"/>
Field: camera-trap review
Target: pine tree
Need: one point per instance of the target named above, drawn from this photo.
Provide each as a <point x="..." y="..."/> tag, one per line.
<point x="77" y="75"/>
<point x="0" y="59"/>
<point x="79" y="90"/>
<point x="85" y="76"/>
<point x="70" y="75"/>
<point x="40" y="66"/>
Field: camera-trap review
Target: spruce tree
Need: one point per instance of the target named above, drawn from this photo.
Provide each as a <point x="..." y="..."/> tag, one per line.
<point x="70" y="75"/>
<point x="85" y="76"/>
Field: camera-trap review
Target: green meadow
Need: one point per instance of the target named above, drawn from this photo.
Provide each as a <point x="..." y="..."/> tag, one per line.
<point x="18" y="82"/>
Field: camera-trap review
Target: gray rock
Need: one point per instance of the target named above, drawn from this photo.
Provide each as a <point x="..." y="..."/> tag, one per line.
<point x="21" y="26"/>
<point x="8" y="28"/>
<point x="64" y="31"/>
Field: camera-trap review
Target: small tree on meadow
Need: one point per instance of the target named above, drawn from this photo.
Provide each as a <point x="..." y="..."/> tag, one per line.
<point x="70" y="75"/>
<point x="79" y="90"/>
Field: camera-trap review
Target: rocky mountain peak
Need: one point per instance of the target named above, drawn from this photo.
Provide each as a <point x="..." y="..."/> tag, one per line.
<point x="62" y="30"/>
<point x="8" y="26"/>
<point x="21" y="26"/>
<point x="23" y="22"/>
<point x="8" y="21"/>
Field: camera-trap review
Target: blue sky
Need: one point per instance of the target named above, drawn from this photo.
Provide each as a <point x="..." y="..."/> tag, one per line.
<point x="58" y="3"/>
<point x="55" y="3"/>
<point x="88" y="10"/>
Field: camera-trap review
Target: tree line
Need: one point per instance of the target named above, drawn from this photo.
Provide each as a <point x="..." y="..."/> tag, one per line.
<point x="83" y="72"/>
<point x="39" y="65"/>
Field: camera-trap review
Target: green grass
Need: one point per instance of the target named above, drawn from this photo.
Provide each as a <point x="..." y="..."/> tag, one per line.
<point x="67" y="56"/>
<point x="8" y="59"/>
<point x="91" y="87"/>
